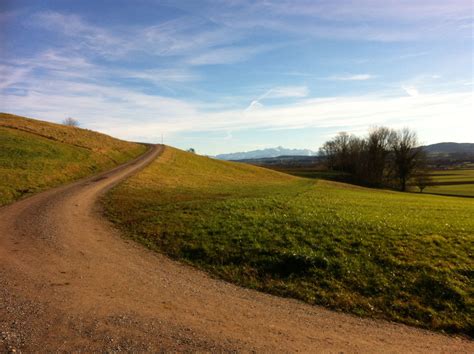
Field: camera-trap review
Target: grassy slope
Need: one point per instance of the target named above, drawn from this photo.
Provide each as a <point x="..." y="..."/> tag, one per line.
<point x="403" y="257"/>
<point x="36" y="155"/>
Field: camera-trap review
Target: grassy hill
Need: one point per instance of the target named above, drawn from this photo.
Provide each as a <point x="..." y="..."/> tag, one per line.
<point x="450" y="148"/>
<point x="397" y="256"/>
<point x="37" y="155"/>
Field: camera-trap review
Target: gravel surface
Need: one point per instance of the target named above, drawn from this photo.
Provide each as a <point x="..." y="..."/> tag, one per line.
<point x="70" y="282"/>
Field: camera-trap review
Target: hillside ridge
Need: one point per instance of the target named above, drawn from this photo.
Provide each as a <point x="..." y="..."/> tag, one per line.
<point x="449" y="148"/>
<point x="36" y="155"/>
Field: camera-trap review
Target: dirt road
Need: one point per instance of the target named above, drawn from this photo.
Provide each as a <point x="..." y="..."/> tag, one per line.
<point x="69" y="281"/>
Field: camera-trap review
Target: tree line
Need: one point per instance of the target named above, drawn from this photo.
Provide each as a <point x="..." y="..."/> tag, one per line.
<point x="385" y="157"/>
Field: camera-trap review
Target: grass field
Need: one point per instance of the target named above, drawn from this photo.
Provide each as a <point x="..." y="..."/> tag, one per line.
<point x="311" y="172"/>
<point x="452" y="182"/>
<point x="456" y="182"/>
<point x="398" y="256"/>
<point x="36" y="155"/>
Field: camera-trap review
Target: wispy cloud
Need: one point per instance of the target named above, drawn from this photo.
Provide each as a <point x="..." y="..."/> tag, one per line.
<point x="226" y="55"/>
<point x="93" y="38"/>
<point x="59" y="65"/>
<point x="372" y="9"/>
<point x="130" y="114"/>
<point x="254" y="105"/>
<point x="376" y="20"/>
<point x="11" y="75"/>
<point x="159" y="76"/>
<point x="279" y="92"/>
<point x="286" y="92"/>
<point x="355" y="77"/>
<point x="411" y="91"/>
<point x="412" y="55"/>
<point x="193" y="40"/>
<point x="185" y="35"/>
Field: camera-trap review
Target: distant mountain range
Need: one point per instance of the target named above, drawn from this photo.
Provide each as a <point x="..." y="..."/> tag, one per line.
<point x="265" y="153"/>
<point x="450" y="148"/>
<point x="435" y="149"/>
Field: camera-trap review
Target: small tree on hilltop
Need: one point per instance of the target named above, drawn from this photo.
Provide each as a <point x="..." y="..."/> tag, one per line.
<point x="71" y="122"/>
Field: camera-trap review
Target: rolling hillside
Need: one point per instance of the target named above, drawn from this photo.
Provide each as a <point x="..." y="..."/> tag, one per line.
<point x="348" y="248"/>
<point x="37" y="155"/>
<point x="450" y="148"/>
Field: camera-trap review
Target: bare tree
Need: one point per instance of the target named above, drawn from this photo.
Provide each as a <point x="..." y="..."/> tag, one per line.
<point x="407" y="156"/>
<point x="422" y="180"/>
<point x="337" y="152"/>
<point x="357" y="158"/>
<point x="328" y="152"/>
<point x="384" y="157"/>
<point x="71" y="122"/>
<point x="379" y="143"/>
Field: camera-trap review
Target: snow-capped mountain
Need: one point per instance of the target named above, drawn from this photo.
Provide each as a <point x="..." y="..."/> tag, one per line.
<point x="271" y="152"/>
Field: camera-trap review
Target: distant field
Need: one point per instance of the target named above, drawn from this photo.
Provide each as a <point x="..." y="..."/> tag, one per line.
<point x="399" y="256"/>
<point x="456" y="182"/>
<point x="310" y="172"/>
<point x="36" y="155"/>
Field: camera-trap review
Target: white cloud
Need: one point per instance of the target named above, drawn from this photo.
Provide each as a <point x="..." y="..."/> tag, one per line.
<point x="159" y="76"/>
<point x="12" y="75"/>
<point x="129" y="114"/>
<point x="286" y="92"/>
<point x="254" y="105"/>
<point x="226" y="55"/>
<point x="59" y="65"/>
<point x="83" y="35"/>
<point x="372" y="9"/>
<point x="411" y="91"/>
<point x="184" y="36"/>
<point x="356" y="77"/>
<point x="377" y="20"/>
<point x="192" y="39"/>
<point x="278" y="93"/>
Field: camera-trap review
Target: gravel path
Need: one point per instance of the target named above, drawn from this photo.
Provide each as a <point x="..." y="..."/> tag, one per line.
<point x="70" y="282"/>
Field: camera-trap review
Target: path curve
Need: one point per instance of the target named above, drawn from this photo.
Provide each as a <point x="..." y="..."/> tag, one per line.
<point x="69" y="281"/>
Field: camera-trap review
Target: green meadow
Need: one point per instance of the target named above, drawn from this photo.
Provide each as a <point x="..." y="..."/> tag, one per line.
<point x="456" y="182"/>
<point x="36" y="155"/>
<point x="406" y="257"/>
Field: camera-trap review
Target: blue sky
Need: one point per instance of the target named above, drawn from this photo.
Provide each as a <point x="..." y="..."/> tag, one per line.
<point x="237" y="75"/>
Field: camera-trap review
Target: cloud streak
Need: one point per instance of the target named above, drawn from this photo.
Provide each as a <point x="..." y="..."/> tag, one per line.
<point x="226" y="55"/>
<point x="356" y="77"/>
<point x="193" y="40"/>
<point x="279" y="92"/>
<point x="286" y="92"/>
<point x="376" y="20"/>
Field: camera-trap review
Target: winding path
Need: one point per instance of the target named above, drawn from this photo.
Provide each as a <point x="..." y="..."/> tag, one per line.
<point x="69" y="281"/>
